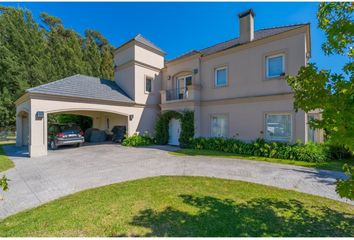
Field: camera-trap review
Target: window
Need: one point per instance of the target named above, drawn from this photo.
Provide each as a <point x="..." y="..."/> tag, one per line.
<point x="182" y="86"/>
<point x="148" y="84"/>
<point x="311" y="132"/>
<point x="275" y="66"/>
<point x="219" y="125"/>
<point x="220" y="76"/>
<point x="278" y="127"/>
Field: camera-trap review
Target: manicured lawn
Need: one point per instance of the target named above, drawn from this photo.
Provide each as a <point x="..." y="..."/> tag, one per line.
<point x="185" y="206"/>
<point x="5" y="162"/>
<point x="330" y="165"/>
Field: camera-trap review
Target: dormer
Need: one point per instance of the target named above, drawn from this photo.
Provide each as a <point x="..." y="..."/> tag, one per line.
<point x="138" y="65"/>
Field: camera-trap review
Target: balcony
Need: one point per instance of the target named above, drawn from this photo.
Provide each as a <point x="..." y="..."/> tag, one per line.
<point x="192" y="92"/>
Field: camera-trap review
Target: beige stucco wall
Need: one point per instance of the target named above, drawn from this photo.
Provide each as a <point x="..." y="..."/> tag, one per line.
<point x="141" y="96"/>
<point x="247" y="117"/>
<point x="149" y="57"/>
<point x="133" y="63"/>
<point x="124" y="77"/>
<point x="178" y="68"/>
<point x="241" y="99"/>
<point x="246" y="69"/>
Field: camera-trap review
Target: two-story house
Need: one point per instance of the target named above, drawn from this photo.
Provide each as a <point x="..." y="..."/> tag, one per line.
<point x="236" y="88"/>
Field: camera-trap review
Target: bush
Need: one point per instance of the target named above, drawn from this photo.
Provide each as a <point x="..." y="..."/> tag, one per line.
<point x="310" y="152"/>
<point x="138" y="140"/>
<point x="339" y="152"/>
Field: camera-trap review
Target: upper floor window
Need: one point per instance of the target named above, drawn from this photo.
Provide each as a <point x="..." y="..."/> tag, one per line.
<point x="148" y="84"/>
<point x="275" y="66"/>
<point x="220" y="77"/>
<point x="278" y="127"/>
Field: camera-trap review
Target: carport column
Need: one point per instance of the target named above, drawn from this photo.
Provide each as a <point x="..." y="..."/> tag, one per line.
<point x="19" y="130"/>
<point x="132" y="123"/>
<point x="38" y="134"/>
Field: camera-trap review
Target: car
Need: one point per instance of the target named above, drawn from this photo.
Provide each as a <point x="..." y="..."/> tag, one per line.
<point x="64" y="134"/>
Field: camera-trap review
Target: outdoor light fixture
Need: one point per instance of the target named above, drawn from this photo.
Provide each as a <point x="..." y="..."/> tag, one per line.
<point x="39" y="115"/>
<point x="131" y="116"/>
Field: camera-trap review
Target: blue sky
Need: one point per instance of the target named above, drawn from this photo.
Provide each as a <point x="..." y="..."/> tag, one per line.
<point x="181" y="27"/>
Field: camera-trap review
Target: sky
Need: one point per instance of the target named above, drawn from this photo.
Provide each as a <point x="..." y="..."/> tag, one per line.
<point x="178" y="27"/>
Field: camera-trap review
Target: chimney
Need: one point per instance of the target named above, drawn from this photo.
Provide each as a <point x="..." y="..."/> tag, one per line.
<point x="246" y="26"/>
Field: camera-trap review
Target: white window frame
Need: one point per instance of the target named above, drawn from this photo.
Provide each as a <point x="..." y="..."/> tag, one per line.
<point x="291" y="126"/>
<point x="267" y="65"/>
<point x="152" y="84"/>
<point x="216" y="75"/>
<point x="227" y="124"/>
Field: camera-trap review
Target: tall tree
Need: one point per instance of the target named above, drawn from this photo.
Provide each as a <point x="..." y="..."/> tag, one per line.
<point x="33" y="54"/>
<point x="333" y="94"/>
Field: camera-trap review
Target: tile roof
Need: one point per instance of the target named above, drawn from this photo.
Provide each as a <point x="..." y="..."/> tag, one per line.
<point x="84" y="87"/>
<point x="147" y="42"/>
<point x="259" y="34"/>
<point x="140" y="38"/>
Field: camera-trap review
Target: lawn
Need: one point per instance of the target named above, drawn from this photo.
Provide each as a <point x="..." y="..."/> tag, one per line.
<point x="5" y="162"/>
<point x="330" y="165"/>
<point x="185" y="206"/>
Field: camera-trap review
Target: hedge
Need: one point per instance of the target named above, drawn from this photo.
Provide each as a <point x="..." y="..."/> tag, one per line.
<point x="309" y="152"/>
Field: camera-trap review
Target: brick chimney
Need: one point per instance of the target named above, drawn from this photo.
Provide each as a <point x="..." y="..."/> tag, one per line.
<point x="246" y="19"/>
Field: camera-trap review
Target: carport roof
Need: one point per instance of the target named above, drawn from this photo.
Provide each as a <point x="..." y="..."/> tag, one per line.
<point x="84" y="87"/>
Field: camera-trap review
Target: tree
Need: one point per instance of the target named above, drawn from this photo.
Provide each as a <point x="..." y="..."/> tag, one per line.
<point x="32" y="54"/>
<point x="332" y="94"/>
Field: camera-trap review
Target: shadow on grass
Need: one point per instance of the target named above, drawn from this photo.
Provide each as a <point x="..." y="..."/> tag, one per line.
<point x="258" y="217"/>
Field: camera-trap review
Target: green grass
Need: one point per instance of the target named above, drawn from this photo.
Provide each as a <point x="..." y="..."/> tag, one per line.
<point x="330" y="165"/>
<point x="184" y="206"/>
<point x="5" y="162"/>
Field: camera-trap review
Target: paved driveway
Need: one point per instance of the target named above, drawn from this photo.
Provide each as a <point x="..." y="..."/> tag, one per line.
<point x="38" y="180"/>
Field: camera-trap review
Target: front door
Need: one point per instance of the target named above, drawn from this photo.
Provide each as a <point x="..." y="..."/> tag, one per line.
<point x="174" y="129"/>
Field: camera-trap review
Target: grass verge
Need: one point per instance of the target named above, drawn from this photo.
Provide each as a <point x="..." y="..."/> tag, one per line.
<point x="184" y="206"/>
<point x="5" y="162"/>
<point x="330" y="165"/>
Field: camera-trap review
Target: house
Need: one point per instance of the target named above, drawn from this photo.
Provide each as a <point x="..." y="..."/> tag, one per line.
<point x="236" y="88"/>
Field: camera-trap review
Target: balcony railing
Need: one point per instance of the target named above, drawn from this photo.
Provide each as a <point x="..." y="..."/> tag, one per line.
<point x="176" y="94"/>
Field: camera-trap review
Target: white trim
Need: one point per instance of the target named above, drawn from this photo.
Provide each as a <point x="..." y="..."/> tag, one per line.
<point x="267" y="68"/>
<point x="215" y="76"/>
<point x="291" y="126"/>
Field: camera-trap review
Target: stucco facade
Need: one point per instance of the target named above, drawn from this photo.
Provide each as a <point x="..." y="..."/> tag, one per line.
<point x="151" y="85"/>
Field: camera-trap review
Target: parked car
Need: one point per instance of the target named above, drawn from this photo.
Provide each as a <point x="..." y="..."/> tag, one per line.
<point x="64" y="134"/>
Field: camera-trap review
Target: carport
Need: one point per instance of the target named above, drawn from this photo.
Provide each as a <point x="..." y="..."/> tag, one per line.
<point x="100" y="99"/>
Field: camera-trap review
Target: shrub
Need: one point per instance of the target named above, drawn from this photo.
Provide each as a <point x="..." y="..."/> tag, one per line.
<point x="310" y="152"/>
<point x="138" y="140"/>
<point x="339" y="152"/>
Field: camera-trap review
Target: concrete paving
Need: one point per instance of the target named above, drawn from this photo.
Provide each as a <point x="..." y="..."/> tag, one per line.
<point x="35" y="181"/>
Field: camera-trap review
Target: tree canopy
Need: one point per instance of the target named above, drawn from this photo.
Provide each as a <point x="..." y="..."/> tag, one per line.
<point x="332" y="94"/>
<point x="34" y="53"/>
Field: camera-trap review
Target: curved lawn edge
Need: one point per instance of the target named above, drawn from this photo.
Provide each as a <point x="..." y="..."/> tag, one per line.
<point x="5" y="161"/>
<point x="136" y="207"/>
<point x="330" y="165"/>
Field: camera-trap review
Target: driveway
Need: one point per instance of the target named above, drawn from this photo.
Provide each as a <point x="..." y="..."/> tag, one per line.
<point x="35" y="181"/>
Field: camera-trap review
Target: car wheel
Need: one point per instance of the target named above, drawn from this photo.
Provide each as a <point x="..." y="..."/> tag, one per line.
<point x="53" y="146"/>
